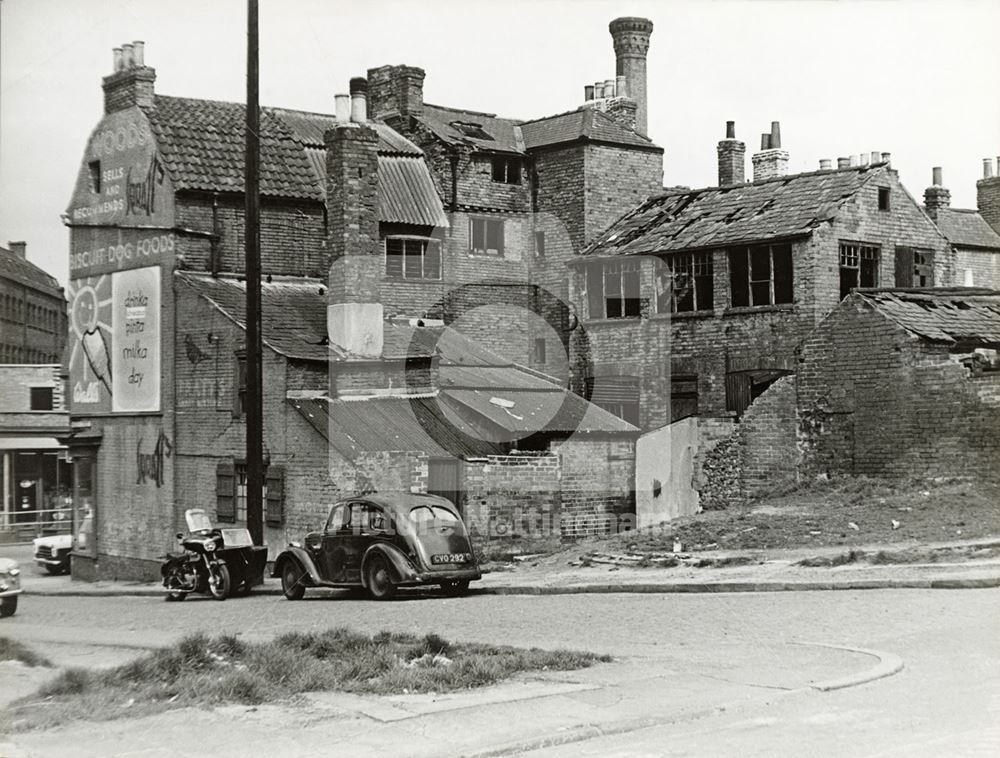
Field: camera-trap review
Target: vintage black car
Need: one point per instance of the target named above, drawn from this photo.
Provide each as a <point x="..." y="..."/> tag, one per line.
<point x="381" y="542"/>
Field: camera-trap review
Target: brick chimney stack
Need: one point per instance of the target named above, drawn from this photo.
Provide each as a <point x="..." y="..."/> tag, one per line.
<point x="936" y="196"/>
<point x="988" y="194"/>
<point x="631" y="41"/>
<point x="732" y="158"/>
<point x="19" y="249"/>
<point x="354" y="313"/>
<point x="395" y="89"/>
<point x="131" y="82"/>
<point x="771" y="161"/>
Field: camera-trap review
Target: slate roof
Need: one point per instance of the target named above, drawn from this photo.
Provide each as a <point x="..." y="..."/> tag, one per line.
<point x="505" y="132"/>
<point x="955" y="315"/>
<point x="589" y="124"/>
<point x="967" y="228"/>
<point x="202" y="144"/>
<point x="401" y="424"/>
<point x="782" y="208"/>
<point x="24" y="272"/>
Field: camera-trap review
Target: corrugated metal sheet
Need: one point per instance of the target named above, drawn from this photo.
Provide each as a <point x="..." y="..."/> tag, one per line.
<point x="407" y="194"/>
<point x="383" y="424"/>
<point x="491" y="377"/>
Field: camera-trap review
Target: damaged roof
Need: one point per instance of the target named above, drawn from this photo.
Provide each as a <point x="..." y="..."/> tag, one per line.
<point x="583" y="124"/>
<point x="967" y="228"/>
<point x="480" y="131"/>
<point x="202" y="144"/>
<point x="396" y="424"/>
<point x="781" y="208"/>
<point x="952" y="315"/>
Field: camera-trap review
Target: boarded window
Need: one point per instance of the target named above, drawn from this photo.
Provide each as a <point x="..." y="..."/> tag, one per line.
<point x="683" y="396"/>
<point x="859" y="264"/>
<point x="761" y="275"/>
<point x="684" y="283"/>
<point x="413" y="258"/>
<point x="616" y="394"/>
<point x="914" y="268"/>
<point x="225" y="492"/>
<point x="274" y="496"/>
<point x="486" y="236"/>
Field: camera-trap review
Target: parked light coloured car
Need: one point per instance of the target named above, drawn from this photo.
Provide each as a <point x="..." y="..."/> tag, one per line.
<point x="52" y="553"/>
<point x="10" y="586"/>
<point x="381" y="542"/>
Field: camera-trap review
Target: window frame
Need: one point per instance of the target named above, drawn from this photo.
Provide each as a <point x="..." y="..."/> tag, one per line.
<point x="668" y="272"/>
<point x="742" y="261"/>
<point x="615" y="272"/>
<point x="487" y="223"/>
<point x="885" y="199"/>
<point x="509" y="169"/>
<point x="858" y="257"/>
<point x="31" y="399"/>
<point x="406" y="241"/>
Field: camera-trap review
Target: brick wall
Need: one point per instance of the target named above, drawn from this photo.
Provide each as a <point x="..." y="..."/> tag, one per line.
<point x="33" y="324"/>
<point x="16" y="382"/>
<point x="767" y="439"/>
<point x="875" y="400"/>
<point x="988" y="200"/>
<point x="292" y="235"/>
<point x="511" y="497"/>
<point x="984" y="266"/>
<point x="598" y="486"/>
<point x="616" y="179"/>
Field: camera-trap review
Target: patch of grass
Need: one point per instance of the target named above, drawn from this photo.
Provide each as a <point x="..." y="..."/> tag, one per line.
<point x="203" y="671"/>
<point x="12" y="650"/>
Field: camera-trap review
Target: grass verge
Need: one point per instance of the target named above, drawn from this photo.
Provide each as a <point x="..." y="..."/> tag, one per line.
<point x="12" y="650"/>
<point x="204" y="671"/>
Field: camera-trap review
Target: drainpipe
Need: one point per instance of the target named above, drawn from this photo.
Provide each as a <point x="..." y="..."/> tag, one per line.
<point x="453" y="160"/>
<point x="215" y="252"/>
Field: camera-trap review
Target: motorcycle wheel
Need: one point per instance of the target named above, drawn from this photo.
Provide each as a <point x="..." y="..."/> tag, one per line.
<point x="219" y="589"/>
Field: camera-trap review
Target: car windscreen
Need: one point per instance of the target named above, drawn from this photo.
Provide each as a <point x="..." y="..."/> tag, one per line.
<point x="427" y="516"/>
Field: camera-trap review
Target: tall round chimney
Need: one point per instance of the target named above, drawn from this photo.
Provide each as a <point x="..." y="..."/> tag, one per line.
<point x="631" y="40"/>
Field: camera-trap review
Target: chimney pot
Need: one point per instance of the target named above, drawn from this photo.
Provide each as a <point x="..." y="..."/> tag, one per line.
<point x="876" y="156"/>
<point x="127" y="59"/>
<point x="775" y="135"/>
<point x="588" y="92"/>
<point x="825" y="164"/>
<point x="730" y="130"/>
<point x="886" y="158"/>
<point x="988" y="168"/>
<point x="936" y="177"/>
<point x="19" y="249"/>
<point x="342" y="108"/>
<point x="843" y="162"/>
<point x="765" y="141"/>
<point x="358" y="84"/>
<point x="598" y="90"/>
<point x="139" y="52"/>
<point x="359" y="107"/>
<point x="621" y="86"/>
<point x="609" y="87"/>
<point x="116" y="55"/>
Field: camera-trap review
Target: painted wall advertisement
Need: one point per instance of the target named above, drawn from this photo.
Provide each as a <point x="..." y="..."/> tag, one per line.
<point x="114" y="361"/>
<point x="122" y="178"/>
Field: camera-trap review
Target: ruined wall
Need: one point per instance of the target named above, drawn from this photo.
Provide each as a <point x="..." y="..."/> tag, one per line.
<point x="616" y="180"/>
<point x="874" y="400"/>
<point x="512" y="497"/>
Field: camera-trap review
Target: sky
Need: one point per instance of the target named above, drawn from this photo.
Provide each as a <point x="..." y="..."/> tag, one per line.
<point x="916" y="78"/>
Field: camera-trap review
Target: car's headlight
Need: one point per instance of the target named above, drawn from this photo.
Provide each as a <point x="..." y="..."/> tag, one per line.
<point x="209" y="546"/>
<point x="14" y="571"/>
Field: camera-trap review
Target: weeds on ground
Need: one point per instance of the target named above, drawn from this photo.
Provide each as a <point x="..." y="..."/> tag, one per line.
<point x="205" y="671"/>
<point x="12" y="650"/>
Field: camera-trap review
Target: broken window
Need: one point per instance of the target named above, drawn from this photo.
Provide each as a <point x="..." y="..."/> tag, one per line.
<point x="506" y="170"/>
<point x="616" y="394"/>
<point x="486" y="236"/>
<point x="684" y="283"/>
<point x="761" y="275"/>
<point x="472" y="129"/>
<point x="883" y="198"/>
<point x="914" y="268"/>
<point x="413" y="258"/>
<point x="858" y="266"/>
<point x="613" y="289"/>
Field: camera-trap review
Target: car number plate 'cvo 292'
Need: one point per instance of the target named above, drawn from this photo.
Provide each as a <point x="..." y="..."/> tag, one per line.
<point x="450" y="558"/>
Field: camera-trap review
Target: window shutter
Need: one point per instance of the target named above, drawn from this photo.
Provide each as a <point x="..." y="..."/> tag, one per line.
<point x="904" y="267"/>
<point x="274" y="507"/>
<point x="225" y="492"/>
<point x="595" y="290"/>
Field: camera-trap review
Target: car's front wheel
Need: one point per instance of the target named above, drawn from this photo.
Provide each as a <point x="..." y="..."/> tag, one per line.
<point x="291" y="580"/>
<point x="8" y="606"/>
<point x="378" y="578"/>
<point x="57" y="568"/>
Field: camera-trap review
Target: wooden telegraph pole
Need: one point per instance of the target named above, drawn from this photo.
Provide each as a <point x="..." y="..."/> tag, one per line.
<point x="254" y="410"/>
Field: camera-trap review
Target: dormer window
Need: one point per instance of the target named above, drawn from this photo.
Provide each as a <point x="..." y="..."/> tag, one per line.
<point x="472" y="129"/>
<point x="507" y="170"/>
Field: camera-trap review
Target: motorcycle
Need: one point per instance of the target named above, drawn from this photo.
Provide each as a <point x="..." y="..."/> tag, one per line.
<point x="221" y="562"/>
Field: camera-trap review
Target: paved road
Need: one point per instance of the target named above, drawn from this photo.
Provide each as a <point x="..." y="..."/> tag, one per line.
<point x="945" y="702"/>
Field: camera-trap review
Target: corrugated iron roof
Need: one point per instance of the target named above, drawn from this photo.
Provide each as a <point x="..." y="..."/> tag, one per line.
<point x="588" y="124"/>
<point x="406" y="192"/>
<point x="25" y="272"/>
<point x="396" y="424"/>
<point x="785" y="207"/>
<point x="967" y="228"/>
<point x="956" y="315"/>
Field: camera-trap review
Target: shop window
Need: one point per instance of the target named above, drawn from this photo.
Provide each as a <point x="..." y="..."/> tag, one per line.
<point x="616" y="394"/>
<point x="613" y="290"/>
<point x="506" y="170"/>
<point x="41" y="398"/>
<point x="684" y="283"/>
<point x="486" y="236"/>
<point x="761" y="275"/>
<point x="859" y="264"/>
<point x="914" y="268"/>
<point x="413" y="258"/>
